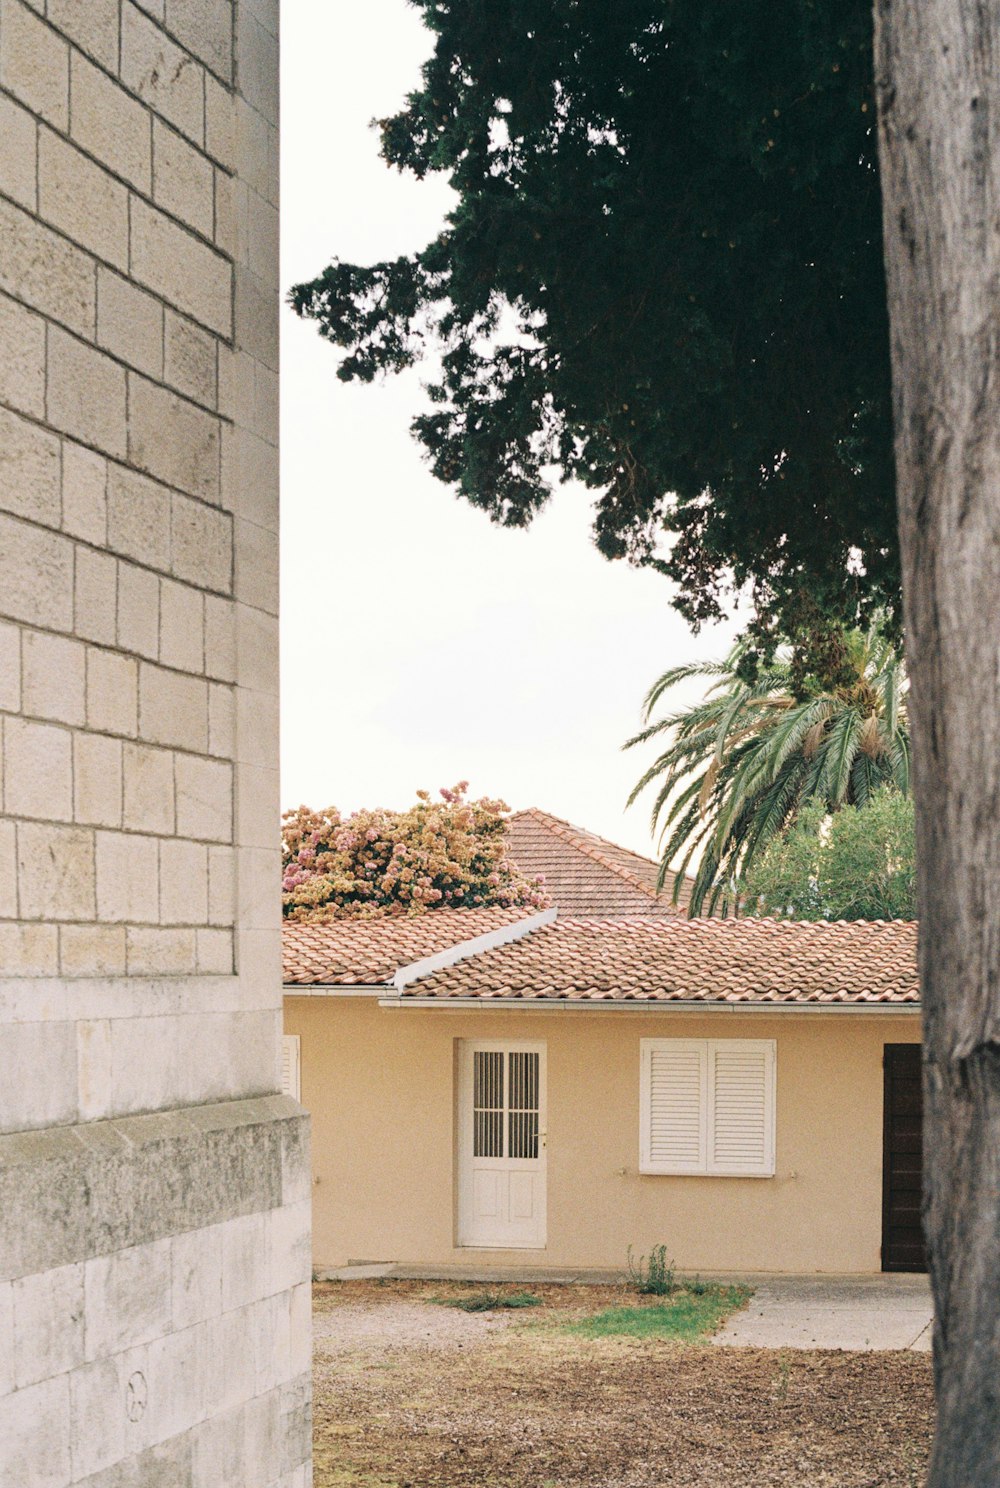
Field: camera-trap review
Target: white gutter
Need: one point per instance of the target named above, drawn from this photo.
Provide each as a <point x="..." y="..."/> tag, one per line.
<point x="635" y="1005"/>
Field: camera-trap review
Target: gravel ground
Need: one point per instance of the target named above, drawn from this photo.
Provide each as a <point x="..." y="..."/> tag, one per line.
<point x="413" y="1395"/>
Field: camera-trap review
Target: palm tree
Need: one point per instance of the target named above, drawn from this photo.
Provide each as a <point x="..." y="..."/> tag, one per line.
<point x="738" y="766"/>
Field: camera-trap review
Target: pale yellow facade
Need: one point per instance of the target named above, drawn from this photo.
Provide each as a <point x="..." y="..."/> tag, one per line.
<point x="381" y="1086"/>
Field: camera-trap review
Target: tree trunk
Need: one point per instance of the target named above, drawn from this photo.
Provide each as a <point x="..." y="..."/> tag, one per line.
<point x="936" y="68"/>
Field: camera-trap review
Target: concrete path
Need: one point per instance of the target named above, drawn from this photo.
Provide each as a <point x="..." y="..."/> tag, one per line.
<point x="833" y="1312"/>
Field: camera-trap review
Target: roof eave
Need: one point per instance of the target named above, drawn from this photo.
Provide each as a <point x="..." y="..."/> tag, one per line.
<point x="647" y="1005"/>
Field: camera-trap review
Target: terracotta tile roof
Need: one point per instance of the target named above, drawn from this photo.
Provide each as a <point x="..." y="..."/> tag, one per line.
<point x="700" y="960"/>
<point x="367" y="953"/>
<point x="585" y="874"/>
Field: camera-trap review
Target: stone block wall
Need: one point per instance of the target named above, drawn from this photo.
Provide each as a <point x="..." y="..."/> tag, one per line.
<point x="154" y="1199"/>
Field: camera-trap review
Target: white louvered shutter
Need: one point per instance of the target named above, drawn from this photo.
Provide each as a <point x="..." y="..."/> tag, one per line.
<point x="674" y="1106"/>
<point x="741" y="1107"/>
<point x="290" y="1079"/>
<point x="707" y="1106"/>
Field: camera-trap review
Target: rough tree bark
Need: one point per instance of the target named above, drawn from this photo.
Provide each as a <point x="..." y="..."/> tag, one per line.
<point x="937" y="65"/>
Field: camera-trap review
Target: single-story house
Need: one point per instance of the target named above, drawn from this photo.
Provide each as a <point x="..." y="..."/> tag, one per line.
<point x="490" y="1087"/>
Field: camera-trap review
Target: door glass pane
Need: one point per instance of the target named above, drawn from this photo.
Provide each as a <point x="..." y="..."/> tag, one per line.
<point x="523" y="1113"/>
<point x="487" y="1104"/>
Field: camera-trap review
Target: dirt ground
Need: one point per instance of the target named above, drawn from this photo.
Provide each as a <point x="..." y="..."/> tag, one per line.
<point x="413" y="1395"/>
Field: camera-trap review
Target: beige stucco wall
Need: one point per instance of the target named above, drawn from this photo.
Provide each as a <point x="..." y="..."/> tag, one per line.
<point x="380" y="1086"/>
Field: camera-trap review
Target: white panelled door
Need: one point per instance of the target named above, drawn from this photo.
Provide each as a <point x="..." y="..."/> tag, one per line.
<point x="501" y="1137"/>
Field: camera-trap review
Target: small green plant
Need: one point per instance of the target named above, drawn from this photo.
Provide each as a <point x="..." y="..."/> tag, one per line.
<point x="489" y="1301"/>
<point x="655" y="1277"/>
<point x="784" y="1372"/>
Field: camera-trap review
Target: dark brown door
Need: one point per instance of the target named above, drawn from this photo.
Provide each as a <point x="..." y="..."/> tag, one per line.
<point x="902" y="1235"/>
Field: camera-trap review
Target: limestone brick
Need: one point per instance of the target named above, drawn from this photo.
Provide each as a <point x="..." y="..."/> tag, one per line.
<point x="127" y="1298"/>
<point x="38" y="770"/>
<point x="94" y="28"/>
<point x="97" y="780"/>
<point x="255" y="580"/>
<point x="190" y="360"/>
<point x="92" y="950"/>
<point x="18" y="163"/>
<point x="55" y="872"/>
<point x="256" y="727"/>
<point x="227" y="195"/>
<point x="138" y="517"/>
<point x="97" y="1419"/>
<point x="129" y="323"/>
<point x="96" y="596"/>
<point x="221" y="891"/>
<point x="34" y="1434"/>
<point x="138" y="610"/>
<point x="29" y="466"/>
<point x="45" y="271"/>
<point x="22" y="367"/>
<point x="175" y="264"/>
<point x="127" y="878"/>
<point x="34" y="63"/>
<point x="48" y="1323"/>
<point x="160" y="952"/>
<point x="84" y="493"/>
<point x="177" y="1373"/>
<point x="221" y="720"/>
<point x="148" y="789"/>
<point x="82" y="200"/>
<point x="182" y="627"/>
<point x="86" y="393"/>
<point x="173" y="439"/>
<point x="173" y="709"/>
<point x="10" y="668"/>
<point x="261" y="249"/>
<point x="220" y="124"/>
<point x="258" y="811"/>
<point x="109" y="124"/>
<point x="206" y="28"/>
<point x="182" y="180"/>
<point x="244" y="1261"/>
<point x="183" y="883"/>
<point x="220" y="638"/>
<point x="8" y="871"/>
<point x="112" y="692"/>
<point x="161" y="73"/>
<point x="6" y="1338"/>
<point x="252" y="465"/>
<point x="30" y="951"/>
<point x="256" y="312"/>
<point x="204" y="799"/>
<point x="53" y="678"/>
<point x="201" y="544"/>
<point x="214" y="952"/>
<point x="196" y="1276"/>
<point x="257" y="63"/>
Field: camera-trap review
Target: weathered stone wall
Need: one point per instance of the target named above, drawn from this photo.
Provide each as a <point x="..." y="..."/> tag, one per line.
<point x="154" y="1195"/>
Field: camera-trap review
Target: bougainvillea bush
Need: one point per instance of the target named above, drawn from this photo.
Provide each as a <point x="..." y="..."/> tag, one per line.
<point x="447" y="854"/>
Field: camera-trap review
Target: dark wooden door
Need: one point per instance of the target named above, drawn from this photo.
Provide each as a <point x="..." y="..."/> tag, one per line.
<point x="902" y="1235"/>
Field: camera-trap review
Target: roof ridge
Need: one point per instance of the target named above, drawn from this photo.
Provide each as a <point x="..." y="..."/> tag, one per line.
<point x="568" y="831"/>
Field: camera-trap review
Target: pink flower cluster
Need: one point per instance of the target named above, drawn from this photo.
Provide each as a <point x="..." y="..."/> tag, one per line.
<point x="376" y="863"/>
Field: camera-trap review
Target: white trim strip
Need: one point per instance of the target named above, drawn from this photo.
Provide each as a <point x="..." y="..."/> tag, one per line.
<point x="466" y="948"/>
<point x="324" y="989"/>
<point x="595" y="1005"/>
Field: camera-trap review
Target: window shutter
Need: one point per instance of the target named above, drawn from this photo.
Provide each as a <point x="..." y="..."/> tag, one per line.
<point x="290" y="1079"/>
<point x="674" y="1106"/>
<point x="741" y="1108"/>
<point x="707" y="1106"/>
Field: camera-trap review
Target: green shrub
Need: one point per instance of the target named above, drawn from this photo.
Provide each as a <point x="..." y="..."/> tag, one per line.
<point x="490" y="1301"/>
<point x="654" y="1277"/>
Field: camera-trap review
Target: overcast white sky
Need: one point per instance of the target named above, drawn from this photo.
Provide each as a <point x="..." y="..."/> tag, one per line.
<point x="420" y="644"/>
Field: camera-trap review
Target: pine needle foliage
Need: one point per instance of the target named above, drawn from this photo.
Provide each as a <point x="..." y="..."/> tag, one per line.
<point x="734" y="771"/>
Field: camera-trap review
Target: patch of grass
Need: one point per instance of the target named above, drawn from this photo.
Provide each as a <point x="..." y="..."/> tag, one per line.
<point x="688" y="1315"/>
<point x="489" y="1301"/>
